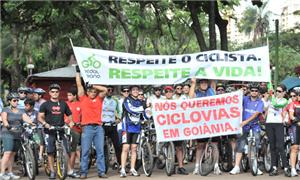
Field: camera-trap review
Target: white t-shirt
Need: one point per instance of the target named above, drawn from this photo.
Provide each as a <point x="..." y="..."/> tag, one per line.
<point x="274" y="114"/>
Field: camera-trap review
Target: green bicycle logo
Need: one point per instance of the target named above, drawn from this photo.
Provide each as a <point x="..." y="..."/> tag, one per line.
<point x="91" y="62"/>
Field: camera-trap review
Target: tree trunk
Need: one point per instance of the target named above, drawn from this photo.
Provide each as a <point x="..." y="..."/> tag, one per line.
<point x="15" y="74"/>
<point x="222" y="25"/>
<point x="212" y="28"/>
<point x="196" y="25"/>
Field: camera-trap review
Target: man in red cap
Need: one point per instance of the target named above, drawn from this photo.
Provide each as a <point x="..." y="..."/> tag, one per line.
<point x="178" y="144"/>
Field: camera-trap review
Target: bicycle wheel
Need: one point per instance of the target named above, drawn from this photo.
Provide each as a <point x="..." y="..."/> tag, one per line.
<point x="169" y="151"/>
<point x="30" y="164"/>
<point x="244" y="163"/>
<point x="147" y="159"/>
<point x="21" y="162"/>
<point x="267" y="157"/>
<point x="46" y="166"/>
<point x="226" y="159"/>
<point x="208" y="159"/>
<point x="62" y="162"/>
<point x="252" y="155"/>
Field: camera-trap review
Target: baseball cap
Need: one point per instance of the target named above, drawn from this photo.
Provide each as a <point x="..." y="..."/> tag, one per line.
<point x="168" y="88"/>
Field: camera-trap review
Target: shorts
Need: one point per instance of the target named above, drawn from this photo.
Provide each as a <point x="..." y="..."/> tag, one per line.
<point x="205" y="140"/>
<point x="50" y="142"/>
<point x="130" y="138"/>
<point x="76" y="137"/>
<point x="10" y="143"/>
<point x="294" y="133"/>
<point x="242" y="141"/>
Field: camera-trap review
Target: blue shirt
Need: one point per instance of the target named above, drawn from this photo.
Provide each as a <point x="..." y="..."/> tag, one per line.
<point x="249" y="108"/>
<point x="109" y="109"/>
<point x="208" y="92"/>
<point x="133" y="114"/>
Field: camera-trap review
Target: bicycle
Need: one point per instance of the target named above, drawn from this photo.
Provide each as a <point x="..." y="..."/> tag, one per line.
<point x="163" y="152"/>
<point x="144" y="152"/>
<point x="252" y="153"/>
<point x="25" y="156"/>
<point x="208" y="158"/>
<point x="61" y="155"/>
<point x="225" y="154"/>
<point x="265" y="150"/>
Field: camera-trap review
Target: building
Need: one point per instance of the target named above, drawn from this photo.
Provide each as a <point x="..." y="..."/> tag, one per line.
<point x="288" y="20"/>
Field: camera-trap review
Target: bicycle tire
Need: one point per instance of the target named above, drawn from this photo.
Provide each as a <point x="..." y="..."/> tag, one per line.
<point x="208" y="159"/>
<point x="267" y="157"/>
<point x="252" y="155"/>
<point x="30" y="164"/>
<point x="226" y="159"/>
<point x="62" y="163"/>
<point x="20" y="157"/>
<point x="170" y="158"/>
<point x="147" y="159"/>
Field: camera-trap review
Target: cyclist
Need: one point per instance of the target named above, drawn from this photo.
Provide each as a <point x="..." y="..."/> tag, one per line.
<point x="124" y="94"/>
<point x="204" y="90"/>
<point x="52" y="114"/>
<point x="110" y="119"/>
<point x="186" y="90"/>
<point x="178" y="92"/>
<point x="133" y="113"/>
<point x="178" y="144"/>
<point x="91" y="122"/>
<point x="75" y="108"/>
<point x="12" y="118"/>
<point x="22" y="91"/>
<point x="275" y="130"/>
<point x="294" y="130"/>
<point x="156" y="95"/>
<point x="38" y="94"/>
<point x="252" y="108"/>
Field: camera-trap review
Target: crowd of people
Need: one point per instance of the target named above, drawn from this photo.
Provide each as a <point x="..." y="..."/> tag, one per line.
<point x="94" y="111"/>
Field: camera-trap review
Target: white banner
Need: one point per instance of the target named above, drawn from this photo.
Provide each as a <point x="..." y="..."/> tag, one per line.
<point x="198" y="118"/>
<point x="117" y="68"/>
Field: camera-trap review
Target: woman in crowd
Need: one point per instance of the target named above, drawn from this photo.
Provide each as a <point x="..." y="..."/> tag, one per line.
<point x="12" y="118"/>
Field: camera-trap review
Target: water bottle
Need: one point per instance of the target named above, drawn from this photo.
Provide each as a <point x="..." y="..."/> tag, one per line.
<point x="36" y="138"/>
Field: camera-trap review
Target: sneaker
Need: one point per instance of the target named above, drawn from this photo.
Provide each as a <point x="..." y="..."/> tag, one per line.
<point x="196" y="171"/>
<point x="235" y="170"/>
<point x="287" y="172"/>
<point x="52" y="175"/>
<point x="217" y="170"/>
<point x="134" y="173"/>
<point x="13" y="176"/>
<point x="259" y="172"/>
<point x="294" y="173"/>
<point x="273" y="172"/>
<point x="102" y="175"/>
<point x="4" y="177"/>
<point x="83" y="176"/>
<point x="73" y="175"/>
<point x="122" y="174"/>
<point x="182" y="171"/>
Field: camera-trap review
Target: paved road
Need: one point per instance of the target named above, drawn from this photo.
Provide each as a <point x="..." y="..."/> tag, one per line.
<point x="160" y="174"/>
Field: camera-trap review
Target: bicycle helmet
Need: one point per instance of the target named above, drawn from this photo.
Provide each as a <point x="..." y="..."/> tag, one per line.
<point x="23" y="89"/>
<point x="297" y="90"/>
<point x="254" y="86"/>
<point x="220" y="85"/>
<point x="12" y="95"/>
<point x="54" y="86"/>
<point x="156" y="88"/>
<point x="230" y="89"/>
<point x="39" y="91"/>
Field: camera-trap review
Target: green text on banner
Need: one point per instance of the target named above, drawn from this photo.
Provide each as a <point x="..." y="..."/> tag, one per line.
<point x="117" y="68"/>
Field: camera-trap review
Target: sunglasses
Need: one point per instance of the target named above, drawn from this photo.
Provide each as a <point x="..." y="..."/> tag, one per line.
<point x="179" y="88"/>
<point x="15" y="100"/>
<point x="125" y="91"/>
<point x="54" y="91"/>
<point x="22" y="92"/>
<point x="220" y="89"/>
<point x="254" y="90"/>
<point x="293" y="96"/>
<point x="141" y="94"/>
<point x="279" y="91"/>
<point x="169" y="91"/>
